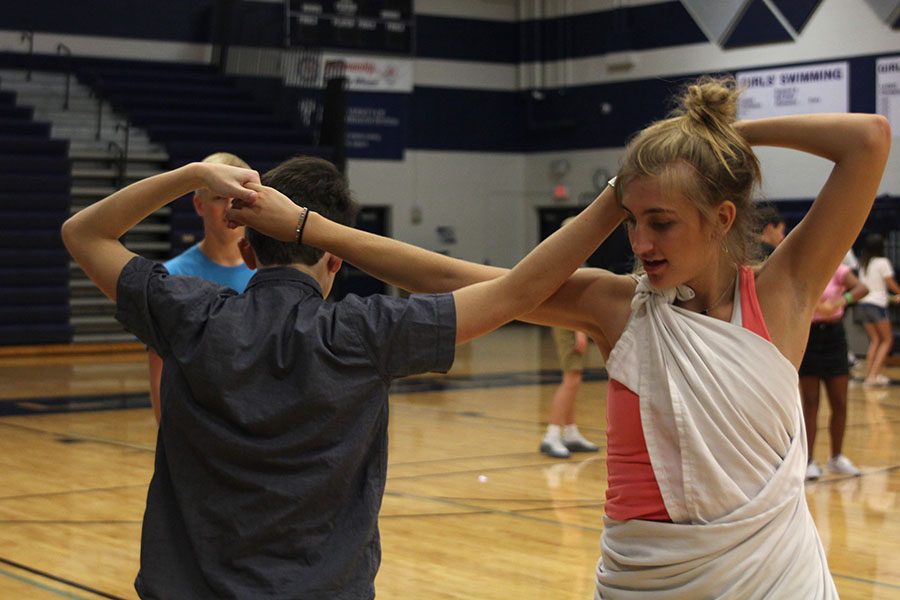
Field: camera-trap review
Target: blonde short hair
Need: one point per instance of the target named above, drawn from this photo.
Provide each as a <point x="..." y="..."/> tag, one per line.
<point x="226" y="158"/>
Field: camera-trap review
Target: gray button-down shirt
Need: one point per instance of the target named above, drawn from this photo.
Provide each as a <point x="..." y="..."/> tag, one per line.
<point x="272" y="452"/>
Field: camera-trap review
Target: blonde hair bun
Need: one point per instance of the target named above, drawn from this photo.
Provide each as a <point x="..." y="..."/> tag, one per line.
<point x="710" y="100"/>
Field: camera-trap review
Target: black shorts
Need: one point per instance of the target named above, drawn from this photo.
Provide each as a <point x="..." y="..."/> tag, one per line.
<point x="826" y="351"/>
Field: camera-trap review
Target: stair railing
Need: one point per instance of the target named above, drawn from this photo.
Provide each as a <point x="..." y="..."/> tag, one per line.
<point x="63" y="50"/>
<point x="28" y="35"/>
<point x="123" y="158"/>
<point x="118" y="153"/>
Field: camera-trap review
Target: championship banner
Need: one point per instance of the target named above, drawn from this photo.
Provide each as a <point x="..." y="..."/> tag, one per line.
<point x="887" y="90"/>
<point x="795" y="90"/>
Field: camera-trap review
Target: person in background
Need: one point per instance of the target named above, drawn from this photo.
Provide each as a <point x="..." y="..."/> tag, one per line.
<point x="215" y="258"/>
<point x="877" y="273"/>
<point x="825" y="361"/>
<point x="562" y="436"/>
<point x="771" y="231"/>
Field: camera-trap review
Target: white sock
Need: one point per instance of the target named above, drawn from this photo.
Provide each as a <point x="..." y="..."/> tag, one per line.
<point x="553" y="432"/>
<point x="570" y="432"/>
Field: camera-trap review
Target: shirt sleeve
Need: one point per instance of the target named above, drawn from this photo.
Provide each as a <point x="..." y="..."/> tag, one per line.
<point x="160" y="310"/>
<point x="405" y="336"/>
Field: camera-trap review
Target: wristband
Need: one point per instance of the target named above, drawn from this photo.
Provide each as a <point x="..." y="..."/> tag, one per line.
<point x="301" y="224"/>
<point x="848" y="297"/>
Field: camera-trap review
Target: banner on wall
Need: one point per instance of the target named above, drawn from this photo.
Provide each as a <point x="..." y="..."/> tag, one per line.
<point x="887" y="90"/>
<point x="376" y="125"/>
<point x="795" y="90"/>
<point x="375" y="74"/>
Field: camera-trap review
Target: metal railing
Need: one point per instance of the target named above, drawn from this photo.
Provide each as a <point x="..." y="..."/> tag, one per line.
<point x="120" y="158"/>
<point x="63" y="50"/>
<point x="123" y="157"/>
<point x="29" y="35"/>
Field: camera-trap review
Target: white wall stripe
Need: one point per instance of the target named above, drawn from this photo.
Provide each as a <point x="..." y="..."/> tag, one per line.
<point x="108" y="47"/>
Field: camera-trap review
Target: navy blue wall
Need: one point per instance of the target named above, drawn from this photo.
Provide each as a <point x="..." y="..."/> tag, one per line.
<point x="173" y="20"/>
<point x="453" y="119"/>
<point x="444" y="118"/>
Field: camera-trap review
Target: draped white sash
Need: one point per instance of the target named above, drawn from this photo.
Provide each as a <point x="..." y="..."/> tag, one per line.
<point x="721" y="413"/>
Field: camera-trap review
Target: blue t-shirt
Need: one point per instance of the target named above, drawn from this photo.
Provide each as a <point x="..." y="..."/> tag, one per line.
<point x="193" y="262"/>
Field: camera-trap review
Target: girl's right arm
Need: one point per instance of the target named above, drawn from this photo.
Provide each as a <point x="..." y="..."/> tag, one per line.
<point x="578" y="304"/>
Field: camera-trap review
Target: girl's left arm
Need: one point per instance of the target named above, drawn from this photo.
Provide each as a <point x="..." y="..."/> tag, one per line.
<point x="858" y="144"/>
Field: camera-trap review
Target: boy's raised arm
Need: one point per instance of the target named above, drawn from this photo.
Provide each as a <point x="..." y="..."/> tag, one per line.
<point x="92" y="235"/>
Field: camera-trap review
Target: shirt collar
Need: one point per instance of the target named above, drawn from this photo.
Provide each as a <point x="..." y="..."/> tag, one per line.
<point x="284" y="275"/>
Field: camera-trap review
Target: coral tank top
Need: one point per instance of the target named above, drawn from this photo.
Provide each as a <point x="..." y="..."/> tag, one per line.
<point x="632" y="491"/>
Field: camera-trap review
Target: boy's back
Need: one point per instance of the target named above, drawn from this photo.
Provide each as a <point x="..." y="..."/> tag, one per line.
<point x="272" y="454"/>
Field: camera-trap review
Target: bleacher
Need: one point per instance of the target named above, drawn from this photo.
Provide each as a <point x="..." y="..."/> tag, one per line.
<point x="35" y="198"/>
<point x="191" y="110"/>
<point x="194" y="111"/>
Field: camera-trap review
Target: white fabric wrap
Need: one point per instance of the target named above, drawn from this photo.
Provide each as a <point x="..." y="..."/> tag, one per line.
<point x="721" y="413"/>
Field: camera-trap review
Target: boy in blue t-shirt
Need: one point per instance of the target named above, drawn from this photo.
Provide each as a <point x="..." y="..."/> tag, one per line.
<point x="215" y="258"/>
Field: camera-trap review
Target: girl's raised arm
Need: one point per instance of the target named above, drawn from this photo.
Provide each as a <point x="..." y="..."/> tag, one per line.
<point x="858" y="144"/>
<point x="500" y="295"/>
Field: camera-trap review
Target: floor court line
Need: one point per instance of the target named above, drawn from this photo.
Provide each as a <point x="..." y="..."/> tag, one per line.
<point x="508" y="513"/>
<point x="78" y="491"/>
<point x="839" y="479"/>
<point x="864" y="580"/>
<point x="68" y="522"/>
<point x="58" y="579"/>
<point x="78" y="436"/>
<point x="479" y="470"/>
<point x="41" y="586"/>
<point x="440" y="460"/>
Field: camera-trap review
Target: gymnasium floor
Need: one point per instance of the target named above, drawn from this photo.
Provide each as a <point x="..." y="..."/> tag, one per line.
<point x="472" y="510"/>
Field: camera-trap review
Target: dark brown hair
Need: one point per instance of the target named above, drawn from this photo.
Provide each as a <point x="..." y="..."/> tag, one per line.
<point x="311" y="182"/>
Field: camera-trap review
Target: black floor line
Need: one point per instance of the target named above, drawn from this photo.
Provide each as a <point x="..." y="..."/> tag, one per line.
<point x="78" y="491"/>
<point x="50" y="576"/>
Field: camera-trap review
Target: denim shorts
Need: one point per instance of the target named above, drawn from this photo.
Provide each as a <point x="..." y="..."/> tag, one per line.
<point x="871" y="313"/>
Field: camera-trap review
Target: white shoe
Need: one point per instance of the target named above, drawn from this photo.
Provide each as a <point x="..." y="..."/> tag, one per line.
<point x="578" y="443"/>
<point x="877" y="381"/>
<point x="842" y="465"/>
<point x="813" y="471"/>
<point x="575" y="442"/>
<point x="553" y="446"/>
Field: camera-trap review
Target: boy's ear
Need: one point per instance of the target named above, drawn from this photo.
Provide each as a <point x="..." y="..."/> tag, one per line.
<point x="247" y="253"/>
<point x="198" y="204"/>
<point x="334" y="263"/>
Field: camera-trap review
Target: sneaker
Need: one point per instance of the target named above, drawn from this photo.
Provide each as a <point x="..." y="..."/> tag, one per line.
<point x="578" y="443"/>
<point x="813" y="471"/>
<point x="883" y="380"/>
<point x="877" y="381"/>
<point x="553" y="446"/>
<point x="842" y="465"/>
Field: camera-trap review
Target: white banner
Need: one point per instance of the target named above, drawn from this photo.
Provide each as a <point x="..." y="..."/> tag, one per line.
<point x="887" y="90"/>
<point x="375" y="74"/>
<point x="795" y="90"/>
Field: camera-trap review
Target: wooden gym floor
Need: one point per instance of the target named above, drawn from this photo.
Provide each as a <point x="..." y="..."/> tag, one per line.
<point x="471" y="511"/>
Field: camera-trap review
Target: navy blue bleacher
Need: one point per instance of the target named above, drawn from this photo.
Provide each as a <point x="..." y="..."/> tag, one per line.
<point x="194" y="111"/>
<point x="35" y="182"/>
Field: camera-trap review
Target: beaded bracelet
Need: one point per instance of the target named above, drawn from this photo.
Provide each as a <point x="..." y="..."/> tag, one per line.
<point x="301" y="223"/>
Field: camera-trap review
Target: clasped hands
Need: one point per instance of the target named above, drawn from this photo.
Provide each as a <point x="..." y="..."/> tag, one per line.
<point x="262" y="208"/>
